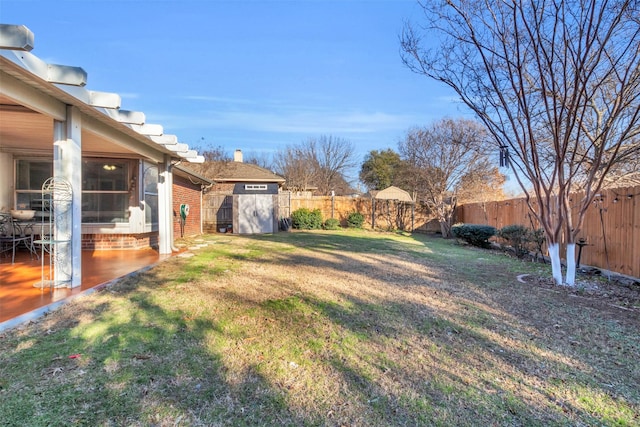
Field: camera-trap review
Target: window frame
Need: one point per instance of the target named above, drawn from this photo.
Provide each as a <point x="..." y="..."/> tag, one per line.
<point x="125" y="191"/>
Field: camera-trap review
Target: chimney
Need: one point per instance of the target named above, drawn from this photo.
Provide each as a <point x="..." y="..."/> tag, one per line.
<point x="237" y="156"/>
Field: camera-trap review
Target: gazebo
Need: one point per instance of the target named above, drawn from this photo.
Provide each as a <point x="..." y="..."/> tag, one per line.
<point x="400" y="199"/>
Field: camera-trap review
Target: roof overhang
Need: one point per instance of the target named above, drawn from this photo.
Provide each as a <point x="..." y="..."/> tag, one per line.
<point x="193" y="176"/>
<point x="28" y="85"/>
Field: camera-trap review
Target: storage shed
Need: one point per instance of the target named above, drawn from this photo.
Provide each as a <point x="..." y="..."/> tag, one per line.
<point x="244" y="198"/>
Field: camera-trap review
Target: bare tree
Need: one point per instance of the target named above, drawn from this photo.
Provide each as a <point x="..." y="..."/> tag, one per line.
<point x="439" y="159"/>
<point x="322" y="163"/>
<point x="297" y="167"/>
<point x="482" y="185"/>
<point x="557" y="84"/>
<point x="261" y="159"/>
<point x="624" y="170"/>
<point x="215" y="159"/>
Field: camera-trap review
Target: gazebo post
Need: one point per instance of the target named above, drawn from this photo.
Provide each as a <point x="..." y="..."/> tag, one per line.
<point x="413" y="216"/>
<point x="373" y="213"/>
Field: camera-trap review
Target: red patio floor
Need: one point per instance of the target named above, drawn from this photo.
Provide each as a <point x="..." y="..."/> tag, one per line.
<point x="18" y="296"/>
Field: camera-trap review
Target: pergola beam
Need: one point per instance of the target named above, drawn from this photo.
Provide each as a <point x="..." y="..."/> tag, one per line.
<point x="148" y="129"/>
<point x="108" y="132"/>
<point x="16" y="37"/>
<point x="166" y="139"/>
<point x="124" y="116"/>
<point x="52" y="73"/>
<point x="91" y="97"/>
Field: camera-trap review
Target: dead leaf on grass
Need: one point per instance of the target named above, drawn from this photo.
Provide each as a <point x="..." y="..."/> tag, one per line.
<point x="141" y="356"/>
<point x="56" y="371"/>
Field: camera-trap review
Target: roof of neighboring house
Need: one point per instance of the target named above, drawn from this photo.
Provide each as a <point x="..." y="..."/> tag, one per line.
<point x="242" y="172"/>
<point x="191" y="175"/>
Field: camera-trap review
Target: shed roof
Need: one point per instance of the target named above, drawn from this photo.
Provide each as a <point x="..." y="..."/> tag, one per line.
<point x="240" y="172"/>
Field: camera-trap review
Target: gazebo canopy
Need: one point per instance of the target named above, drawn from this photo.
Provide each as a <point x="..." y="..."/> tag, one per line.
<point x="392" y="193"/>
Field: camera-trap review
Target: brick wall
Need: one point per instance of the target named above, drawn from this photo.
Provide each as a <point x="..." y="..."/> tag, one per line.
<point x="101" y="242"/>
<point x="186" y="192"/>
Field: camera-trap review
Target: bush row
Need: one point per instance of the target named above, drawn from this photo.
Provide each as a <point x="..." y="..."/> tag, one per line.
<point x="522" y="239"/>
<point x="306" y="219"/>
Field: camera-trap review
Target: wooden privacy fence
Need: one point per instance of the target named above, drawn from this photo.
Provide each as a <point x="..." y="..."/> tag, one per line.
<point x="389" y="214"/>
<point x="611" y="226"/>
<point x="217" y="211"/>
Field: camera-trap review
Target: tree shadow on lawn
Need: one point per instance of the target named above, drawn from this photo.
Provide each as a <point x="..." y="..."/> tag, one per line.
<point x="119" y="358"/>
<point x="459" y="371"/>
<point x="543" y="369"/>
<point x="443" y="357"/>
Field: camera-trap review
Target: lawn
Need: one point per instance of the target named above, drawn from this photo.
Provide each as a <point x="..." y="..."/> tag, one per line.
<point x="330" y="328"/>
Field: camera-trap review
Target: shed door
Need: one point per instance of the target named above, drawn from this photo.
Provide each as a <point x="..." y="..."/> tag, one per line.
<point x="255" y="213"/>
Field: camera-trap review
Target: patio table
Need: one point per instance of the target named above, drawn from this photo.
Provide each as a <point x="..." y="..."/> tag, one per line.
<point x="14" y="233"/>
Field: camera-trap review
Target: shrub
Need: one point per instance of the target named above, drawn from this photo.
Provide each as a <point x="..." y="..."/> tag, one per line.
<point x="305" y="219"/>
<point x="332" y="224"/>
<point x="522" y="239"/>
<point x="474" y="234"/>
<point x="355" y="220"/>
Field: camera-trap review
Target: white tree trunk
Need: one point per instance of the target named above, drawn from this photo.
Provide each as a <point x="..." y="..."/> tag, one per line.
<point x="571" y="264"/>
<point x="556" y="266"/>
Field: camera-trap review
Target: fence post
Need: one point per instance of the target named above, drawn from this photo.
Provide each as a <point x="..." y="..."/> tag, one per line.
<point x="333" y="203"/>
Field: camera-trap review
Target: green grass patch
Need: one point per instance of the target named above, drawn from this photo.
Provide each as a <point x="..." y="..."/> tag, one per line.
<point x="346" y="327"/>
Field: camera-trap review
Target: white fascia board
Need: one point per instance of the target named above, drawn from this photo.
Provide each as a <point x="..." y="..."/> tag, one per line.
<point x="124" y="116"/>
<point x="52" y="73"/>
<point x="16" y="37"/>
<point x="29" y="97"/>
<point x="92" y="98"/>
<point x="197" y="159"/>
<point x="148" y="129"/>
<point x="166" y="139"/>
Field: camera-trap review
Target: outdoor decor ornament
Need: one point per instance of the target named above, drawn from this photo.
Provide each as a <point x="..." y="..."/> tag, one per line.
<point x="184" y="213"/>
<point x="504" y="156"/>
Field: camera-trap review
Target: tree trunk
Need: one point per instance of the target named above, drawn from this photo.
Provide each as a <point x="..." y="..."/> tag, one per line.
<point x="445" y="228"/>
<point x="571" y="264"/>
<point x="556" y="265"/>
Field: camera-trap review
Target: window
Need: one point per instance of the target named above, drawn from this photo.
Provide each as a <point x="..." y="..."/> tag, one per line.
<point x="105" y="190"/>
<point x="150" y="188"/>
<point x="260" y="187"/>
<point x="30" y="175"/>
<point x="108" y="188"/>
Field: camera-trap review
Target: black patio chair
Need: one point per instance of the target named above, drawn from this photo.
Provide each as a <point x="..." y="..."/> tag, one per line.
<point x="12" y="236"/>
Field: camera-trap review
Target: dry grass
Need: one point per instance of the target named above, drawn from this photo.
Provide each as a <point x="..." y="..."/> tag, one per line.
<point x="328" y="328"/>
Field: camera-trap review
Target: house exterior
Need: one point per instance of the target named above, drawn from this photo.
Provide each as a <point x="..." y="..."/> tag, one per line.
<point x="243" y="199"/>
<point x="121" y="170"/>
<point x="188" y="189"/>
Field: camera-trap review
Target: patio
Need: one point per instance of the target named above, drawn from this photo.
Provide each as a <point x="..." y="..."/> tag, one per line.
<point x="18" y="296"/>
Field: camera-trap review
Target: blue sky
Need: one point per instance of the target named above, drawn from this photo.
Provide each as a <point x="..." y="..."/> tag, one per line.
<point x="250" y="75"/>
